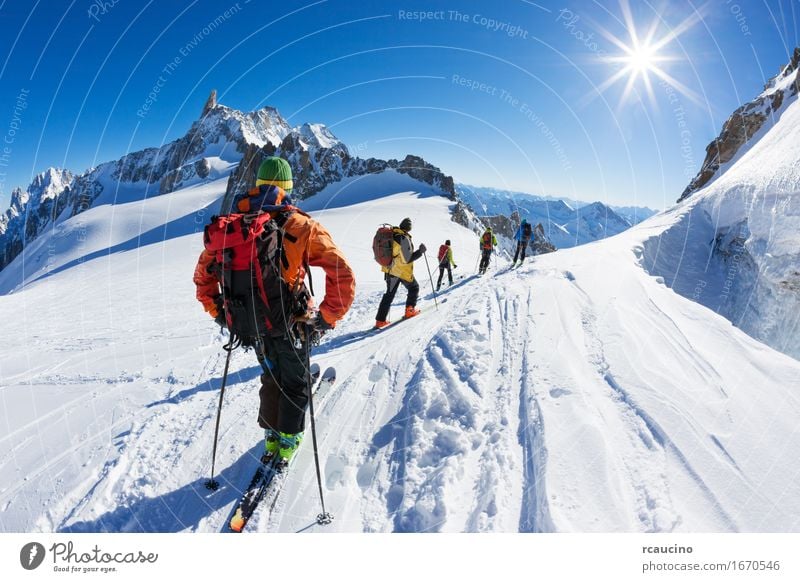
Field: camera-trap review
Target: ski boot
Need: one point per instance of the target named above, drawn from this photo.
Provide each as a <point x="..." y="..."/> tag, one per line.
<point x="271" y="445"/>
<point x="288" y="444"/>
<point x="411" y="312"/>
<point x="380" y="324"/>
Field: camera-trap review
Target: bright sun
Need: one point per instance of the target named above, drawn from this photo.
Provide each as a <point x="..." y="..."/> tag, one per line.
<point x="641" y="57"/>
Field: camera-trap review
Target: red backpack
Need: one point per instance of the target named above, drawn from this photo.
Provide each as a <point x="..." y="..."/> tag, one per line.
<point x="487" y="241"/>
<point x="382" y="245"/>
<point x="443" y="252"/>
<point x="248" y="249"/>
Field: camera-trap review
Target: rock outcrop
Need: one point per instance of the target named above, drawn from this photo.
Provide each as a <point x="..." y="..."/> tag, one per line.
<point x="745" y="123"/>
<point x="539" y="242"/>
<point x="314" y="168"/>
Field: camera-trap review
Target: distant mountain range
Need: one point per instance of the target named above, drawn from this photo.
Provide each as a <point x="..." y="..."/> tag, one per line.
<point x="566" y="223"/>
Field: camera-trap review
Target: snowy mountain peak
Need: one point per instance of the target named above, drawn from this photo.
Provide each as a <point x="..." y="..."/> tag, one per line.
<point x="318" y="135"/>
<point x="220" y="123"/>
<point x="47" y="185"/>
<point x="50" y="183"/>
<point x="209" y="149"/>
<point x="747" y="125"/>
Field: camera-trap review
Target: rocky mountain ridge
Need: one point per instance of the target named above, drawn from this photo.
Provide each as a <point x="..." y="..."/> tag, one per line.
<point x="222" y="139"/>
<point x="745" y="123"/>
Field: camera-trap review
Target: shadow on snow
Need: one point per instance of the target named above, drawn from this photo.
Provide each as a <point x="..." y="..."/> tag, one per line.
<point x="179" y="510"/>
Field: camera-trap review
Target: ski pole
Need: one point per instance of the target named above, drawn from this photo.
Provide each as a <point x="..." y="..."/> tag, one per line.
<point x="435" y="301"/>
<point x="323" y="518"/>
<point x="212" y="483"/>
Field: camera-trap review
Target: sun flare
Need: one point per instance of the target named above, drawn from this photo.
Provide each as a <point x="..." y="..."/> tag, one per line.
<point x="642" y="59"/>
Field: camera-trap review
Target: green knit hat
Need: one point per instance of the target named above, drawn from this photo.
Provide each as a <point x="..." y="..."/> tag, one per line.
<point x="275" y="171"/>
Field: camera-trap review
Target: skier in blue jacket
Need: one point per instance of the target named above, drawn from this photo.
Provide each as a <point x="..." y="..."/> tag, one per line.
<point x="523" y="238"/>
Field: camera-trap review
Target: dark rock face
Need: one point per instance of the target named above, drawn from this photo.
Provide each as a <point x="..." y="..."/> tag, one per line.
<point x="501" y="225"/>
<point x="462" y="214"/>
<point x="539" y="242"/>
<point x="420" y="170"/>
<point x="211" y="103"/>
<point x="743" y="124"/>
<point x="315" y="168"/>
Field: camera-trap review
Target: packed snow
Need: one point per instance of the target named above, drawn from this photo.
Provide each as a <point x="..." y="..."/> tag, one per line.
<point x="576" y="393"/>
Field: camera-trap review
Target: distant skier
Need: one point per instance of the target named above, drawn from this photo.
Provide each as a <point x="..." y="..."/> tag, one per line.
<point x="273" y="312"/>
<point x="487" y="244"/>
<point x="401" y="270"/>
<point x="523" y="238"/>
<point x="445" y="262"/>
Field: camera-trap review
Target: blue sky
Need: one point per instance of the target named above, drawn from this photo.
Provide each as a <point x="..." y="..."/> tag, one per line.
<point x="498" y="94"/>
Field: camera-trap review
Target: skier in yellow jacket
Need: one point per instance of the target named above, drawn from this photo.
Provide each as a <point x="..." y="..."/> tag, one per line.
<point x="400" y="271"/>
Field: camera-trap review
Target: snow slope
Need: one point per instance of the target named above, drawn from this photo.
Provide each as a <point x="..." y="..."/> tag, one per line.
<point x="573" y="394"/>
<point x="577" y="393"/>
<point x="570" y="395"/>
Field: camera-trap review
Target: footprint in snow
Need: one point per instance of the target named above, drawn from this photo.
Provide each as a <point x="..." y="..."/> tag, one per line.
<point x="366" y="473"/>
<point x="377" y="372"/>
<point x="334" y="472"/>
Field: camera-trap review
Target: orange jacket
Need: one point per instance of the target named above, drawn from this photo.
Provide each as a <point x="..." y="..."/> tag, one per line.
<point x="313" y="246"/>
<point x="207" y="282"/>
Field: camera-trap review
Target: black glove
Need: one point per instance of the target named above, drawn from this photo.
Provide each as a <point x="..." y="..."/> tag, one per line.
<point x="317" y="328"/>
<point x="455" y="266"/>
<point x="422" y="248"/>
<point x="220" y="318"/>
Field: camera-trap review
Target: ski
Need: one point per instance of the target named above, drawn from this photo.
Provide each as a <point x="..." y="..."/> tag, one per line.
<point x="393" y="323"/>
<point x="254" y="493"/>
<point x="262" y="482"/>
<point x="328" y="380"/>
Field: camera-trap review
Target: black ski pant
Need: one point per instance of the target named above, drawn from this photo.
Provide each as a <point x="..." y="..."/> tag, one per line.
<point x="486" y="258"/>
<point x="284" y="387"/>
<point x="392" y="284"/>
<point x="522" y="246"/>
<point x="442" y="268"/>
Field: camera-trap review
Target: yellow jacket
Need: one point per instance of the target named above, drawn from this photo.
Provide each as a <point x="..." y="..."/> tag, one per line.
<point x="404" y="256"/>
